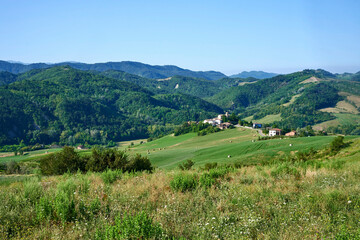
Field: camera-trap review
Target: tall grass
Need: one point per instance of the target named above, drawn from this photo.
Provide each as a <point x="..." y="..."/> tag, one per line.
<point x="280" y="200"/>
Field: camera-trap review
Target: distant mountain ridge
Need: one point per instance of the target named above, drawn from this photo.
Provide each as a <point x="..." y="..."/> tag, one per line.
<point x="254" y="74"/>
<point x="140" y="69"/>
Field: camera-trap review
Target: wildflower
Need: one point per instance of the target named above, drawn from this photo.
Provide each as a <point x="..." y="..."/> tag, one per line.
<point x="349" y="202"/>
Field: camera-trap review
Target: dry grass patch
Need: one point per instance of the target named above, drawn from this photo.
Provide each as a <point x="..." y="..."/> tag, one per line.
<point x="310" y="80"/>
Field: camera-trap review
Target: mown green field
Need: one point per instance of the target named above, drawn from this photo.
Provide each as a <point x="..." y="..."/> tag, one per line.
<point x="341" y="119"/>
<point x="28" y="156"/>
<point x="168" y="152"/>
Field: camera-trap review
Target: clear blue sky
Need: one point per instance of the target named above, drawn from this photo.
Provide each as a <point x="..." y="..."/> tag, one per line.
<point x="228" y="36"/>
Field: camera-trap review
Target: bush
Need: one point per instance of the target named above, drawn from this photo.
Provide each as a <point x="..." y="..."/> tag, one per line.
<point x="209" y="166"/>
<point x="109" y="176"/>
<point x="32" y="190"/>
<point x="184" y="182"/>
<point x="337" y="144"/>
<point x="44" y="209"/>
<point x="102" y="159"/>
<point x="65" y="207"/>
<point x="139" y="163"/>
<point x="64" y="201"/>
<point x="140" y="226"/>
<point x="208" y="179"/>
<point x="285" y="169"/>
<point x="59" y="163"/>
<point x="12" y="167"/>
<point x="186" y="165"/>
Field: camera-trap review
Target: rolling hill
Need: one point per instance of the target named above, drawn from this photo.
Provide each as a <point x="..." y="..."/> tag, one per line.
<point x="141" y="69"/>
<point x="297" y="99"/>
<point x="254" y="74"/>
<point x="68" y="105"/>
<point x="168" y="152"/>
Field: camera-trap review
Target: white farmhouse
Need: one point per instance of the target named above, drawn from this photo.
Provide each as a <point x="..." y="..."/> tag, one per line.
<point x="274" y="132"/>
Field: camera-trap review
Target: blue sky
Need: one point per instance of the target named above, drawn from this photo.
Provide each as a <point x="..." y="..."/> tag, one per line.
<point x="227" y="36"/>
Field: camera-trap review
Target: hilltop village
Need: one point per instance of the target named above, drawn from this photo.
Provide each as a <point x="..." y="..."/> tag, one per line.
<point x="225" y="121"/>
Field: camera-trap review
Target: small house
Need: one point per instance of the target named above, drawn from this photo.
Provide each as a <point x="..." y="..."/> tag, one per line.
<point x="274" y="132"/>
<point x="225" y="125"/>
<point x="291" y="134"/>
<point x="80" y="147"/>
<point x="257" y="125"/>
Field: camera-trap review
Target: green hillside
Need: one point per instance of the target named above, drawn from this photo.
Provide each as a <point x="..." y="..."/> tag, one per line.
<point x="168" y="152"/>
<point x="198" y="87"/>
<point x="7" y="78"/>
<point x="61" y="104"/>
<point x="254" y="74"/>
<point x="299" y="98"/>
<point x="141" y="69"/>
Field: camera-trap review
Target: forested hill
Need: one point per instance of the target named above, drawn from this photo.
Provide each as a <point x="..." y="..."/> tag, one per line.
<point x="141" y="69"/>
<point x="7" y="78"/>
<point x="65" y="105"/>
<point x="295" y="100"/>
<point x="179" y="84"/>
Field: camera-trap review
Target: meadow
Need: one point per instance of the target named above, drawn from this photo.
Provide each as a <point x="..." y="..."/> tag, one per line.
<point x="278" y="193"/>
<point x="28" y="156"/>
<point x="273" y="201"/>
<point x="240" y="143"/>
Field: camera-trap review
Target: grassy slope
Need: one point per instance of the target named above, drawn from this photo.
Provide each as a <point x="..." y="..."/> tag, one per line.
<point x="341" y="119"/>
<point x="28" y="156"/>
<point x="248" y="203"/>
<point x="216" y="148"/>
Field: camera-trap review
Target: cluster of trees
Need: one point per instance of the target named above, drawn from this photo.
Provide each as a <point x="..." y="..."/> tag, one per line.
<point x="200" y="128"/>
<point x="100" y="160"/>
<point x="348" y="129"/>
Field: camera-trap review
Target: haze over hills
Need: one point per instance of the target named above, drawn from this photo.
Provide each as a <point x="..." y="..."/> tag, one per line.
<point x="141" y="69"/>
<point x="254" y="74"/>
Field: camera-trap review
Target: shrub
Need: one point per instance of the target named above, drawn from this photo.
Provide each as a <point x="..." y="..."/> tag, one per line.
<point x="44" y="209"/>
<point x="184" y="182"/>
<point x="186" y="165"/>
<point x="337" y="144"/>
<point x="206" y="180"/>
<point x="140" y="226"/>
<point x="109" y="176"/>
<point x="95" y="206"/>
<point x="12" y="167"/>
<point x="139" y="163"/>
<point x="32" y="190"/>
<point x="209" y="166"/>
<point x="336" y="164"/>
<point x="102" y="159"/>
<point x="285" y="169"/>
<point x="65" y="207"/>
<point x="59" y="163"/>
<point x="218" y="172"/>
<point x="65" y="202"/>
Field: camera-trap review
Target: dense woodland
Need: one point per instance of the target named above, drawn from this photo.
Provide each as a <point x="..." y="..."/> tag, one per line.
<point x="67" y="106"/>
